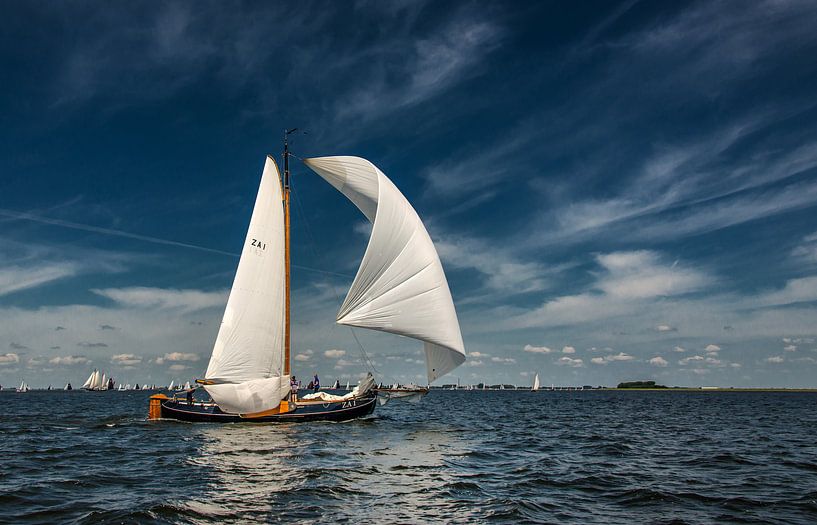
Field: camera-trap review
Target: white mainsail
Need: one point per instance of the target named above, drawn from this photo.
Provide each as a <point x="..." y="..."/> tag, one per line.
<point x="535" y="386"/>
<point x="400" y="286"/>
<point x="170" y="386"/>
<point x="248" y="356"/>
<point x="103" y="384"/>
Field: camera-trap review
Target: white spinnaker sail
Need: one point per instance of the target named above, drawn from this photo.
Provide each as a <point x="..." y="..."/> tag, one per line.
<point x="400" y="286"/>
<point x="248" y="356"/>
<point x="535" y="382"/>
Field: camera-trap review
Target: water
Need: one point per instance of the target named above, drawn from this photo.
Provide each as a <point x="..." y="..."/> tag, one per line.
<point x="458" y="457"/>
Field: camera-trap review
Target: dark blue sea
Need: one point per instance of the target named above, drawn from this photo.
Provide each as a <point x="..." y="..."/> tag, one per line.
<point x="458" y="457"/>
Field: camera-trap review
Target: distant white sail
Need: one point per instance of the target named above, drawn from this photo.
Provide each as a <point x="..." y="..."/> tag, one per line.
<point x="535" y="383"/>
<point x="400" y="286"/>
<point x="248" y="356"/>
<point x="347" y="385"/>
<point x="170" y="386"/>
<point x="103" y="384"/>
<point x="89" y="383"/>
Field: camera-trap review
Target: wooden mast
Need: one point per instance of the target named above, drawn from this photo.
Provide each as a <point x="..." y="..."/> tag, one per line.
<point x="287" y="332"/>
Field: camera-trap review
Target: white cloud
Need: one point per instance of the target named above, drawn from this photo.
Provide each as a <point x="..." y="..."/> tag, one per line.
<point x="334" y="353"/>
<point x="790" y="348"/>
<point x="537" y="349"/>
<point x="629" y="282"/>
<point x="477" y="354"/>
<point x="69" y="360"/>
<point x="306" y="355"/>
<point x="474" y="362"/>
<point x="178" y="356"/>
<point x="658" y="361"/>
<point x="598" y="361"/>
<point x="164" y="298"/>
<point x="665" y="328"/>
<point x="17" y="278"/>
<point x="679" y="349"/>
<point x="567" y="361"/>
<point x="621" y="356"/>
<point x="126" y="359"/>
<point x="505" y="360"/>
<point x="9" y="359"/>
<point x="178" y="367"/>
<point x="568" y="350"/>
<point x="795" y="291"/>
<point x="775" y="359"/>
<point x="712" y="349"/>
<point x="691" y="359"/>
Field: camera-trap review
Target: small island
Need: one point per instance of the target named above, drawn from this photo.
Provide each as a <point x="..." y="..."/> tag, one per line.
<point x="639" y="384"/>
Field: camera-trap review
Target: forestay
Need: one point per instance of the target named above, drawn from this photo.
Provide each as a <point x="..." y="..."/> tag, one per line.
<point x="248" y="356"/>
<point x="400" y="286"/>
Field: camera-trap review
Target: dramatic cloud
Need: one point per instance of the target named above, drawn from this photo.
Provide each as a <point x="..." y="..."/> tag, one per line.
<point x="628" y="283"/>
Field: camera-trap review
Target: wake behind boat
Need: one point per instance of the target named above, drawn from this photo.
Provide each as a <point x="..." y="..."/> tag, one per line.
<point x="400" y="288"/>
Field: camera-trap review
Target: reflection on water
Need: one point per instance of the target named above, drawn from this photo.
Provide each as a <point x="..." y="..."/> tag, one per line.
<point x="260" y="472"/>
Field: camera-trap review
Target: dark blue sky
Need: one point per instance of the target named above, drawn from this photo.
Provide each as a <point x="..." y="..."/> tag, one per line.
<point x="617" y="191"/>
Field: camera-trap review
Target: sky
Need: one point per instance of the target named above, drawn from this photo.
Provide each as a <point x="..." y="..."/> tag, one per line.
<point x="617" y="191"/>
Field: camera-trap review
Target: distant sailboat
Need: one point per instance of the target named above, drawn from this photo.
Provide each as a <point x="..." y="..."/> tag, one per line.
<point x="68" y="387"/>
<point x="170" y="386"/>
<point x="336" y="385"/>
<point x="400" y="288"/>
<point x="95" y="382"/>
<point x="23" y="387"/>
<point x="535" y="386"/>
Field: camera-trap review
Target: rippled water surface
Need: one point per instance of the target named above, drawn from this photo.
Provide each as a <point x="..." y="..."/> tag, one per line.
<point x="458" y="457"/>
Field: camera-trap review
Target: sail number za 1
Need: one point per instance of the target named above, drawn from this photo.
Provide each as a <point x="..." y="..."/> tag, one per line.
<point x="259" y="244"/>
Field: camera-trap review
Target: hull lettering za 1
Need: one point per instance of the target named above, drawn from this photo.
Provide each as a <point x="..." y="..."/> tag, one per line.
<point x="400" y="288"/>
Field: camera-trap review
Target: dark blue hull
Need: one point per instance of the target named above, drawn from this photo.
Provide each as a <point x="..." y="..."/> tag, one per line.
<point x="304" y="411"/>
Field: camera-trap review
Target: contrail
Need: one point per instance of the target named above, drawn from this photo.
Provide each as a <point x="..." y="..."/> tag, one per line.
<point x="146" y="238"/>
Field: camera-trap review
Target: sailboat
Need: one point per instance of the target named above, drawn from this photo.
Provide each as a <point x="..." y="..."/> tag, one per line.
<point x="23" y="387"/>
<point x="95" y="382"/>
<point x="535" y="386"/>
<point x="400" y="288"/>
<point x="336" y="384"/>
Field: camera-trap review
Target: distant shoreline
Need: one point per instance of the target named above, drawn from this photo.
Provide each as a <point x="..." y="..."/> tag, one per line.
<point x="716" y="389"/>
